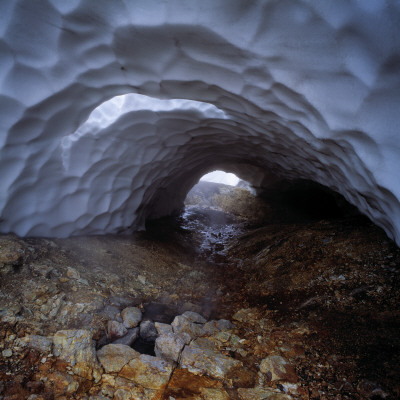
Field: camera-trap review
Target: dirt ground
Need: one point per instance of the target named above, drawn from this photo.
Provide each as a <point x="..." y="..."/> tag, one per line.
<point x="320" y="290"/>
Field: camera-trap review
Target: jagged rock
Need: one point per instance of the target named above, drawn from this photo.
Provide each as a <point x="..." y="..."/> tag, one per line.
<point x="59" y="384"/>
<point x="147" y="371"/>
<point x="163" y="329"/>
<point x="129" y="338"/>
<point x="116" y="330"/>
<point x="181" y="324"/>
<point x="131" y="316"/>
<point x="114" y="356"/>
<point x="169" y="346"/>
<point x="76" y="348"/>
<point x="148" y="331"/>
<point x="202" y="358"/>
<point x="277" y="368"/>
<point x="7" y="353"/>
<point x="261" y="394"/>
<point x="11" y="255"/>
<point x="194" y="317"/>
<point x="37" y="342"/>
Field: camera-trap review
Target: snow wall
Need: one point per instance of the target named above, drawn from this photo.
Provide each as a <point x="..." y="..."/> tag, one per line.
<point x="289" y="88"/>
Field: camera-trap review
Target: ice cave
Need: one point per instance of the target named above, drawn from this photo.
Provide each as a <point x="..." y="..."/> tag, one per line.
<point x="112" y="110"/>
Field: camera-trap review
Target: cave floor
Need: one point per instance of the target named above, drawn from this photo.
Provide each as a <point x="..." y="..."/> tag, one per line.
<point x="322" y="294"/>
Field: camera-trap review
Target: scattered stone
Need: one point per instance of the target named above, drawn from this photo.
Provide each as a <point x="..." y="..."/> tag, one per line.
<point x="72" y="273"/>
<point x="148" y="331"/>
<point x="115" y="356"/>
<point x="202" y="358"/>
<point x="142" y="279"/>
<point x="129" y="338"/>
<point x="116" y="330"/>
<point x="261" y="394"/>
<point x="169" y="346"/>
<point x="276" y="368"/>
<point x="245" y="314"/>
<point x="7" y="353"/>
<point x="37" y="342"/>
<point x="147" y="371"/>
<point x="371" y="390"/>
<point x="163" y="329"/>
<point x="131" y="317"/>
<point x="76" y="348"/>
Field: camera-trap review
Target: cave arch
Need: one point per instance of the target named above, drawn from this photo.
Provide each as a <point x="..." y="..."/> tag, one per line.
<point x="305" y="96"/>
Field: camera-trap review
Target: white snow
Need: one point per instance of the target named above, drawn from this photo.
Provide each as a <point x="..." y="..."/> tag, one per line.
<point x="295" y="89"/>
<point x="226" y="178"/>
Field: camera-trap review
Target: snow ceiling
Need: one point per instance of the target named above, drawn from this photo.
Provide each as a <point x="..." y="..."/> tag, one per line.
<point x="290" y="88"/>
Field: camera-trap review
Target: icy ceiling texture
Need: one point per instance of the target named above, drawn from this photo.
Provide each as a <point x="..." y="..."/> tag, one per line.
<point x="297" y="89"/>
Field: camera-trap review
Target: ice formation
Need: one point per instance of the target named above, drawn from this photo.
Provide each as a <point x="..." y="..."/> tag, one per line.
<point x="290" y="88"/>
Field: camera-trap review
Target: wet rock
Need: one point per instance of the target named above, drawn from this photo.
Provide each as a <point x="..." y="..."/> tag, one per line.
<point x="202" y="358"/>
<point x="129" y="338"/>
<point x="148" y="372"/>
<point x="37" y="342"/>
<point x="72" y="273"/>
<point x="148" y="331"/>
<point x="116" y="330"/>
<point x="277" y="368"/>
<point x="163" y="329"/>
<point x="76" y="348"/>
<point x="131" y="317"/>
<point x="169" y="346"/>
<point x="113" y="357"/>
<point x="261" y="394"/>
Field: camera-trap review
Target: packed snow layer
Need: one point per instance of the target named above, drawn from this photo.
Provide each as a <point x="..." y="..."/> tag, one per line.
<point x="288" y="88"/>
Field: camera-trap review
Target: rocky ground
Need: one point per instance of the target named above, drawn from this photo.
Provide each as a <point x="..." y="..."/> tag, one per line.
<point x="238" y="299"/>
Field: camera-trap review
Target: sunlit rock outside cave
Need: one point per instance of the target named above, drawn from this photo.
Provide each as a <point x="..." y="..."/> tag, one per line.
<point x="199" y="200"/>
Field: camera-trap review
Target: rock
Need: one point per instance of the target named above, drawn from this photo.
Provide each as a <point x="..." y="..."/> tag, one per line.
<point x="148" y="331"/>
<point x="72" y="273"/>
<point x="277" y="368"/>
<point x="7" y="353"/>
<point x="116" y="330"/>
<point x="245" y="314"/>
<point x="37" y="342"/>
<point x="147" y="371"/>
<point x="194" y="317"/>
<point x="11" y="254"/>
<point x="129" y="338"/>
<point x="142" y="279"/>
<point x="163" y="329"/>
<point x="131" y="317"/>
<point x="181" y="324"/>
<point x="202" y="358"/>
<point x="59" y="384"/>
<point x="212" y="327"/>
<point x="214" y="394"/>
<point x="370" y="389"/>
<point x="76" y="348"/>
<point x="261" y="394"/>
<point x="110" y="312"/>
<point x="115" y="356"/>
<point x="169" y="346"/>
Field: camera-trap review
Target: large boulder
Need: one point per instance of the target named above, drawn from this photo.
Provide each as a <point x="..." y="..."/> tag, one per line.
<point x="76" y="348"/>
<point x="113" y="357"/>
